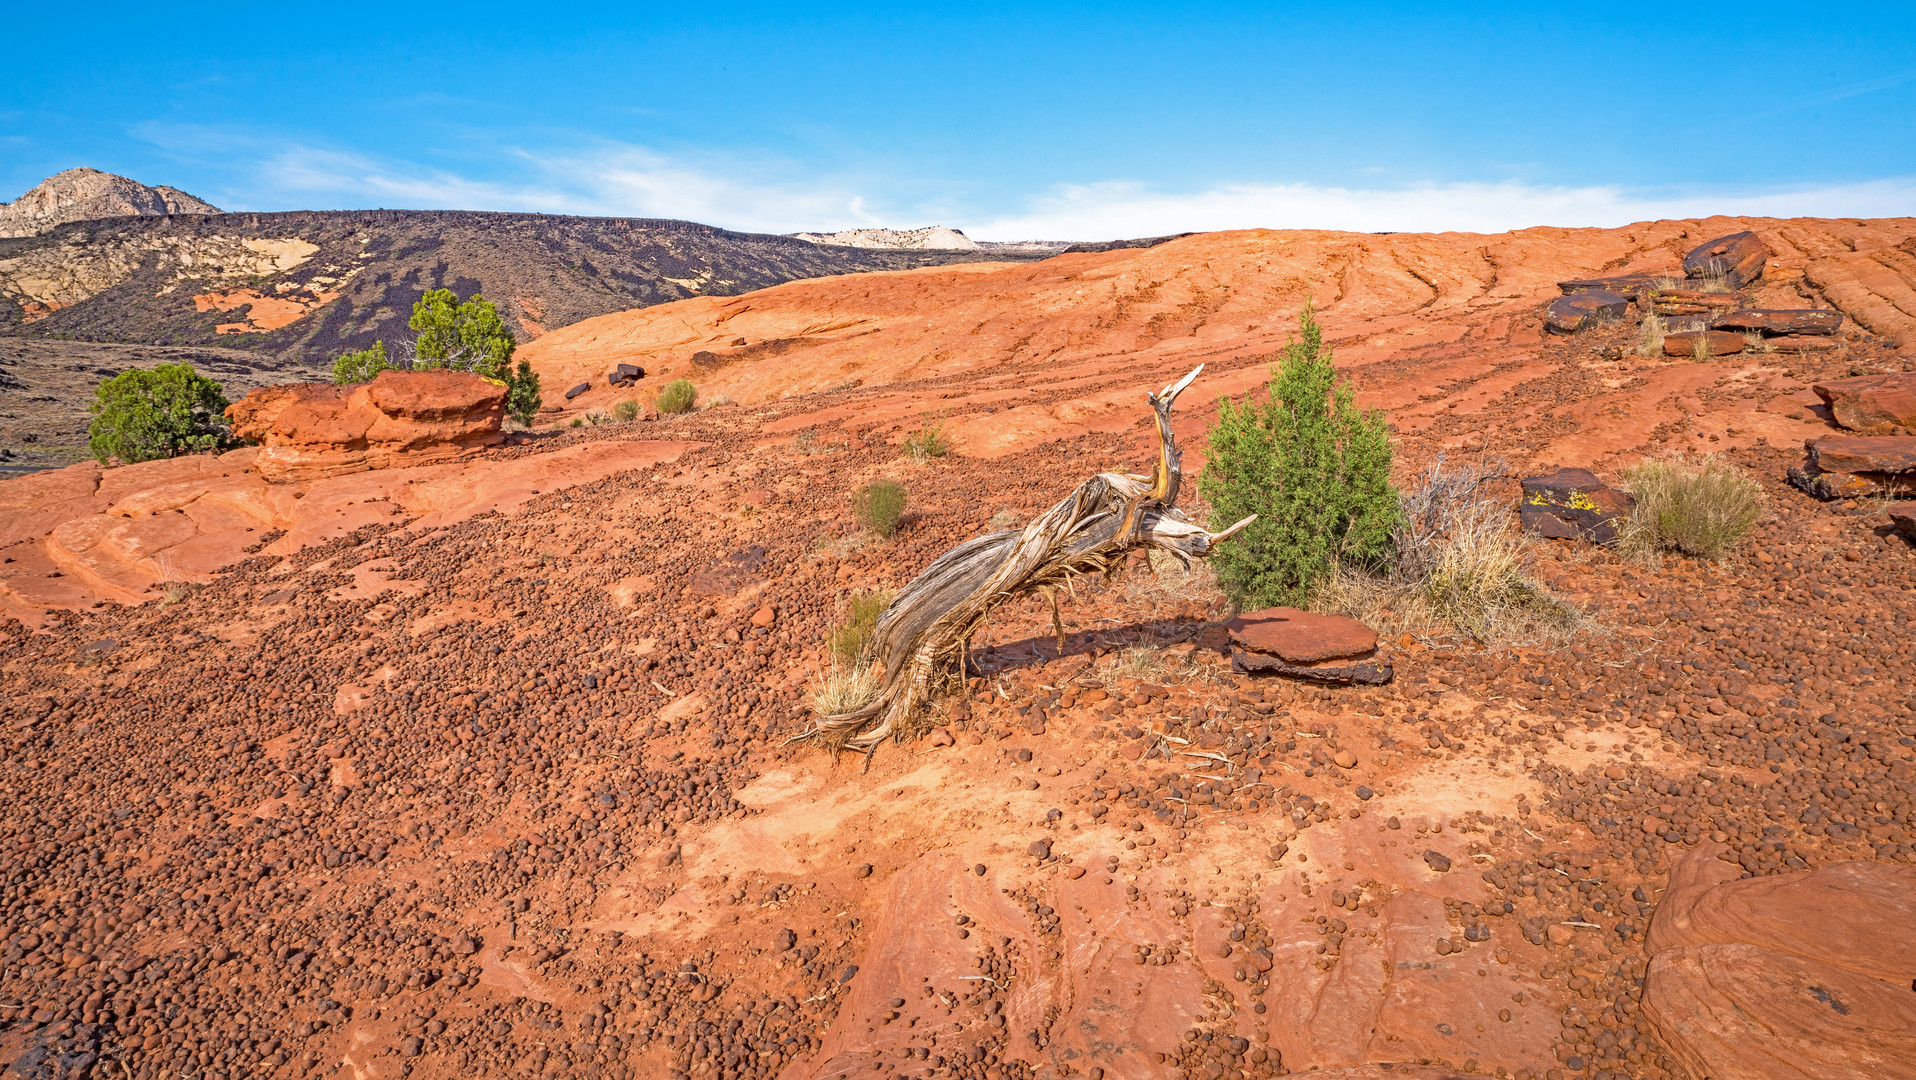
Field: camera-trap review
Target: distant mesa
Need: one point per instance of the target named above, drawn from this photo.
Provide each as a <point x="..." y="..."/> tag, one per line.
<point x="85" y="194"/>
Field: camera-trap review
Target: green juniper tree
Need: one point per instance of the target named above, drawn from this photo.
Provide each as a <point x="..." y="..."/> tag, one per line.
<point x="467" y="336"/>
<point x="1313" y="466"/>
<point x="470" y="336"/>
<point x="361" y="366"/>
<point x="143" y="414"/>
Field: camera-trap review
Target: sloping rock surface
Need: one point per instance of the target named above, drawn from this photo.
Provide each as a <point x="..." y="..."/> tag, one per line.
<point x="1739" y="1012"/>
<point x="1789" y="975"/>
<point x="313" y="430"/>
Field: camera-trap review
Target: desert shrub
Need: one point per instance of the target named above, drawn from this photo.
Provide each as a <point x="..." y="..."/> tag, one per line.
<point x="1703" y="507"/>
<point x="855" y="625"/>
<point x="578" y="422"/>
<point x="1650" y="335"/>
<point x="879" y="506"/>
<point x="626" y="411"/>
<point x="929" y="441"/>
<point x="361" y="366"/>
<point x="143" y="414"/>
<point x="522" y="394"/>
<point x="678" y="396"/>
<point x="1456" y="565"/>
<point x="1313" y="466"/>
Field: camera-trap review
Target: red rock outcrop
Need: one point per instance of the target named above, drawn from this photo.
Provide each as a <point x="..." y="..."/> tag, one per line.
<point x="311" y="431"/>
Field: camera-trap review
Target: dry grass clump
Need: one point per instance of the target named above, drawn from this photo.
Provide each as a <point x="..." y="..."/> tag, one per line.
<point x="929" y="441"/>
<point x="1702" y="507"/>
<point x="852" y="683"/>
<point x="1650" y="335"/>
<point x="1137" y="662"/>
<point x="1457" y="565"/>
<point x="845" y="690"/>
<point x="626" y="411"/>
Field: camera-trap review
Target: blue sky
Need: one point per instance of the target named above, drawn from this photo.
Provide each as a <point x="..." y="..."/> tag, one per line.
<point x="1011" y="122"/>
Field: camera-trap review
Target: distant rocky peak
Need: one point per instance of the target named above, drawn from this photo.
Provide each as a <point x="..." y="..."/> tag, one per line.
<point x="84" y="194"/>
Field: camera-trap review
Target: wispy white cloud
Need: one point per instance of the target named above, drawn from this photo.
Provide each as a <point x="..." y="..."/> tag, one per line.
<point x="1100" y="211"/>
<point x="770" y="195"/>
<point x="605" y="178"/>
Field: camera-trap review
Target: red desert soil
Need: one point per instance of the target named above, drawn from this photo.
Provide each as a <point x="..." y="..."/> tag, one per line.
<point x="480" y="768"/>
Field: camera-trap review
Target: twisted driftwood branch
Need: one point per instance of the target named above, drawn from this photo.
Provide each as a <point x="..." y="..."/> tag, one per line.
<point x="920" y="641"/>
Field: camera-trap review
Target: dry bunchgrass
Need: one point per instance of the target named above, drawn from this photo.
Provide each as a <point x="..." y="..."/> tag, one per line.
<point x="1704" y="507"/>
<point x="1457" y="566"/>
<point x="844" y="690"/>
<point x="1136" y="662"/>
<point x="1650" y="335"/>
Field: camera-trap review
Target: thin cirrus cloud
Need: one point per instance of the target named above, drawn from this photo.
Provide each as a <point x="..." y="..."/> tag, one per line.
<point x="780" y="197"/>
<point x="1129" y="210"/>
<point x="618" y="181"/>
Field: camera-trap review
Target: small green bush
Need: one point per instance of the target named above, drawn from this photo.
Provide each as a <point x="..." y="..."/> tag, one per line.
<point x="361" y="366"/>
<point x="626" y="411"/>
<point x="929" y="441"/>
<point x="678" y="396"/>
<point x="522" y="394"/>
<point x="1313" y="466"/>
<point x="854" y="631"/>
<point x="880" y="506"/>
<point x="140" y="415"/>
<point x="1702" y="507"/>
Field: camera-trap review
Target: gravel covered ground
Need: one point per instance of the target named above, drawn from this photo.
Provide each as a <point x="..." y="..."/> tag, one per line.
<point x="515" y="797"/>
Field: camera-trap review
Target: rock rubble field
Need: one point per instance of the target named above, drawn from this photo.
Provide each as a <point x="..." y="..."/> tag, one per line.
<point x="478" y="763"/>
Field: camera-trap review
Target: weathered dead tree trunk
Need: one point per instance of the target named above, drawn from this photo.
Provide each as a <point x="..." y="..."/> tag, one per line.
<point x="919" y="645"/>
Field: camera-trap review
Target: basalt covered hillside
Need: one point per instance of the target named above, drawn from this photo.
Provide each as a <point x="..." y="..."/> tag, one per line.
<point x="320" y="760"/>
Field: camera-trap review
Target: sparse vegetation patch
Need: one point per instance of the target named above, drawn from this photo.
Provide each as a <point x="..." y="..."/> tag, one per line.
<point x="1702" y="507"/>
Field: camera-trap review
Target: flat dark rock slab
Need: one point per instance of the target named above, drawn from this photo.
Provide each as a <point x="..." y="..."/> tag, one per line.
<point x="1719" y="342"/>
<point x="1872" y="402"/>
<point x="1370" y="671"/>
<point x="1737" y="258"/>
<point x="1582" y="310"/>
<point x="1800" y="343"/>
<point x="1903" y="516"/>
<point x="1783" y="321"/>
<point x="1625" y="284"/>
<point x="1864" y="453"/>
<point x="1572" y="504"/>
